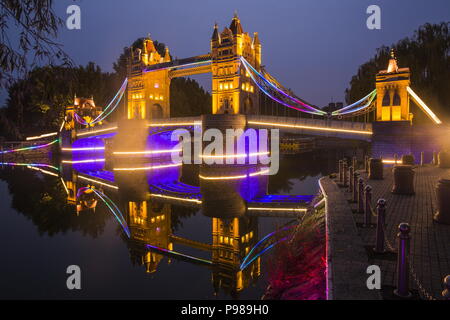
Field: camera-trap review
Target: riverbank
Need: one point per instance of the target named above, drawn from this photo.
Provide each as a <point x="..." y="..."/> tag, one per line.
<point x="349" y="244"/>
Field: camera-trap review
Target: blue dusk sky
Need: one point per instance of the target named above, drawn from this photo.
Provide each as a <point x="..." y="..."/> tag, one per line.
<point x="311" y="46"/>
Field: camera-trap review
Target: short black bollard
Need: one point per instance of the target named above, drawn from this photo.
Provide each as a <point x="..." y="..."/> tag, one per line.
<point x="403" y="179"/>
<point x="360" y="195"/>
<point x="403" y="261"/>
<point x="368" y="206"/>
<point x="435" y="158"/>
<point x="341" y="174"/>
<point x="446" y="292"/>
<point x="422" y="158"/>
<point x="381" y="209"/>
<point x="443" y="201"/>
<point x="376" y="169"/>
<point x="344" y="168"/>
<point x="354" y="163"/>
<point x="355" y="187"/>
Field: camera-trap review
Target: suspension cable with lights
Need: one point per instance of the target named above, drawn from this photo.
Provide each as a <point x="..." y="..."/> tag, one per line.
<point x="112" y="105"/>
<point x="30" y="147"/>
<point x="277" y="94"/>
<point x="111" y="206"/>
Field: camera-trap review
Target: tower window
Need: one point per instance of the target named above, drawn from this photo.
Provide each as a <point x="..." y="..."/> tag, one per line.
<point x="396" y="100"/>
<point x="387" y="99"/>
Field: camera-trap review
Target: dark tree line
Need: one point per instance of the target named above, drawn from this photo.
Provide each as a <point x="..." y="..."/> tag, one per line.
<point x="36" y="103"/>
<point x="427" y="54"/>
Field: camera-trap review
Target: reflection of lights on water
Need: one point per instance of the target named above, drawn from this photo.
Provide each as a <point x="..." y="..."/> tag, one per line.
<point x="98" y="182"/>
<point x="111" y="206"/>
<point x="43" y="171"/>
<point x="277" y="209"/>
<point x="149" y="246"/>
<point x="29" y="148"/>
<point x="242" y="176"/>
<point x="172" y="124"/>
<point x="96" y="131"/>
<point x="149" y="167"/>
<point x="64" y="184"/>
<point x="175" y="198"/>
<point x="84" y="149"/>
<point x="146" y="152"/>
<point x="242" y="155"/>
<point x="83" y="161"/>
<point x="246" y="263"/>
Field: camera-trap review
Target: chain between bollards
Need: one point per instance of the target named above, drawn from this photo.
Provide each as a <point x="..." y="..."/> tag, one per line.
<point x="360" y="195"/>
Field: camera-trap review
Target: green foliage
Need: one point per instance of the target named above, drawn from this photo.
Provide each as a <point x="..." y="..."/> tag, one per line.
<point x="36" y="103"/>
<point x="34" y="24"/>
<point x="188" y="98"/>
<point x="427" y="54"/>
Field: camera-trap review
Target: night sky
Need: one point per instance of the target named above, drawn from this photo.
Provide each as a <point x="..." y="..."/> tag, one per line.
<point x="311" y="46"/>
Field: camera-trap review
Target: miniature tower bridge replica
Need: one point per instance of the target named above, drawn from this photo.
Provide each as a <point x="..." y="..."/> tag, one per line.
<point x="239" y="83"/>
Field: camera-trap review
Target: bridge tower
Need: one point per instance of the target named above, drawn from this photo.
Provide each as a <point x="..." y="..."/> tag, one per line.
<point x="149" y="223"/>
<point x="392" y="97"/>
<point x="232" y="241"/>
<point x="148" y="89"/>
<point x="233" y="91"/>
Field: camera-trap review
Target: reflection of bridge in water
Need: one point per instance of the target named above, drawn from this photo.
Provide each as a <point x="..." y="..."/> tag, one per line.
<point x="148" y="200"/>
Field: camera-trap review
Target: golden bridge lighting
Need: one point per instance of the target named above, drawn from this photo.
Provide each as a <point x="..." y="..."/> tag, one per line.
<point x="173" y="124"/>
<point x="423" y="106"/>
<point x="277" y="209"/>
<point x="273" y="124"/>
<point x="83" y="149"/>
<point x="98" y="182"/>
<point x="146" y="152"/>
<point x="149" y="167"/>
<point x="43" y="171"/>
<point x="83" y="161"/>
<point x="175" y="198"/>
<point x="96" y="131"/>
<point x="227" y="156"/>
<point x="242" y="176"/>
<point x="42" y="136"/>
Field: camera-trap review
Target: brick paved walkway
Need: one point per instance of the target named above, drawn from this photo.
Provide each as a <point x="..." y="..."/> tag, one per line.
<point x="430" y="241"/>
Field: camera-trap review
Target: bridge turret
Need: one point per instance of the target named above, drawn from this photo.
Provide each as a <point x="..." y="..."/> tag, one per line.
<point x="392" y="95"/>
<point x="232" y="89"/>
<point x="148" y="89"/>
